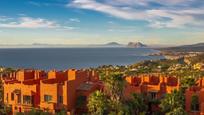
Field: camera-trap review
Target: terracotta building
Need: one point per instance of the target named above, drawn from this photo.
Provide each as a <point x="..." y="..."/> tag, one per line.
<point x="56" y="90"/>
<point x="155" y="85"/>
<point x="51" y="91"/>
<point x="22" y="89"/>
<point x="194" y="99"/>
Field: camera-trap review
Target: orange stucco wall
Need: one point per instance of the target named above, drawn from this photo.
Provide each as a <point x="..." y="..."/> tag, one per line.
<point x="151" y="83"/>
<point x="60" y="85"/>
<point x="195" y="90"/>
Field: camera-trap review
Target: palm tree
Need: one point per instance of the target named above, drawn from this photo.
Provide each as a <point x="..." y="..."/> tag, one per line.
<point x="97" y="103"/>
<point x="177" y="111"/>
<point x="188" y="82"/>
<point x="137" y="104"/>
<point x="172" y="102"/>
<point x="114" y="86"/>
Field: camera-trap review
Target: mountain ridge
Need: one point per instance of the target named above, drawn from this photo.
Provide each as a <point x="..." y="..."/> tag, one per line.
<point x="136" y="45"/>
<point x="198" y="47"/>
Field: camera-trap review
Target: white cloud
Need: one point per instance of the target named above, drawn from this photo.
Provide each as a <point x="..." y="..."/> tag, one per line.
<point x="74" y="20"/>
<point x="4" y="18"/>
<point x="28" y="22"/>
<point x="44" y="3"/>
<point x="34" y="3"/>
<point x="174" y="2"/>
<point x="158" y="18"/>
<point x="111" y="22"/>
<point x="67" y="28"/>
<point x="115" y="27"/>
<point x="127" y="2"/>
<point x="21" y="14"/>
<point x="34" y="23"/>
<point x="175" y="20"/>
<point x="146" y="2"/>
<point x="108" y="9"/>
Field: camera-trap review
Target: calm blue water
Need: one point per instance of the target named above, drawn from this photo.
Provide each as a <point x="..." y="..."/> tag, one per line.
<point x="64" y="58"/>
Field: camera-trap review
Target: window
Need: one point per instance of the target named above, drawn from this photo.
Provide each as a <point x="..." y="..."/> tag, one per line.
<point x="27" y="99"/>
<point x="195" y="103"/>
<point x="60" y="99"/>
<point x="47" y="98"/>
<point x="12" y="96"/>
<point x="81" y="101"/>
<point x="153" y="95"/>
<point x="7" y="97"/>
<point x="18" y="98"/>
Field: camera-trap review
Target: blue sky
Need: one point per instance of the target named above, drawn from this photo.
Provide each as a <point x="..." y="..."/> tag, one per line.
<point x="101" y="21"/>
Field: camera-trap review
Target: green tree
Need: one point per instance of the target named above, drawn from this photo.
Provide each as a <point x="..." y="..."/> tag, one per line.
<point x="34" y="111"/>
<point x="97" y="103"/>
<point x="1" y="92"/>
<point x="188" y="82"/>
<point x="171" y="102"/>
<point x="62" y="112"/>
<point x="177" y="111"/>
<point x="5" y="110"/>
<point x="114" y="86"/>
<point x="20" y="113"/>
<point x="137" y="104"/>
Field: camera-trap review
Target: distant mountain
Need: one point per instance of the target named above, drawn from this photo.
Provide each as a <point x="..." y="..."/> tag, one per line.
<point x="45" y="45"/>
<point x="199" y="47"/>
<point x="194" y="45"/>
<point x="136" y="45"/>
<point x="113" y="44"/>
<point x="156" y="46"/>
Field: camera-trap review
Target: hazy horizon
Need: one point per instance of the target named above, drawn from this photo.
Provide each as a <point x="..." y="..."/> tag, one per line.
<point x="91" y="45"/>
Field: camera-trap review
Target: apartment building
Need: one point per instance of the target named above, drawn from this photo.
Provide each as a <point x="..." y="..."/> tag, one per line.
<point x="155" y="85"/>
<point x="194" y="98"/>
<point x="56" y="90"/>
<point x="50" y="91"/>
<point x="22" y="89"/>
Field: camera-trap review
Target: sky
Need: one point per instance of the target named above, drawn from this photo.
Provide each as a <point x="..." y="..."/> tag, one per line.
<point x="173" y="22"/>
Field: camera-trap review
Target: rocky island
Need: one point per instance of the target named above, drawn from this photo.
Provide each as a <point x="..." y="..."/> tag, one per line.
<point x="136" y="45"/>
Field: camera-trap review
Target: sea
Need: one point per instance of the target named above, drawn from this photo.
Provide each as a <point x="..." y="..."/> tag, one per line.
<point x="67" y="58"/>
